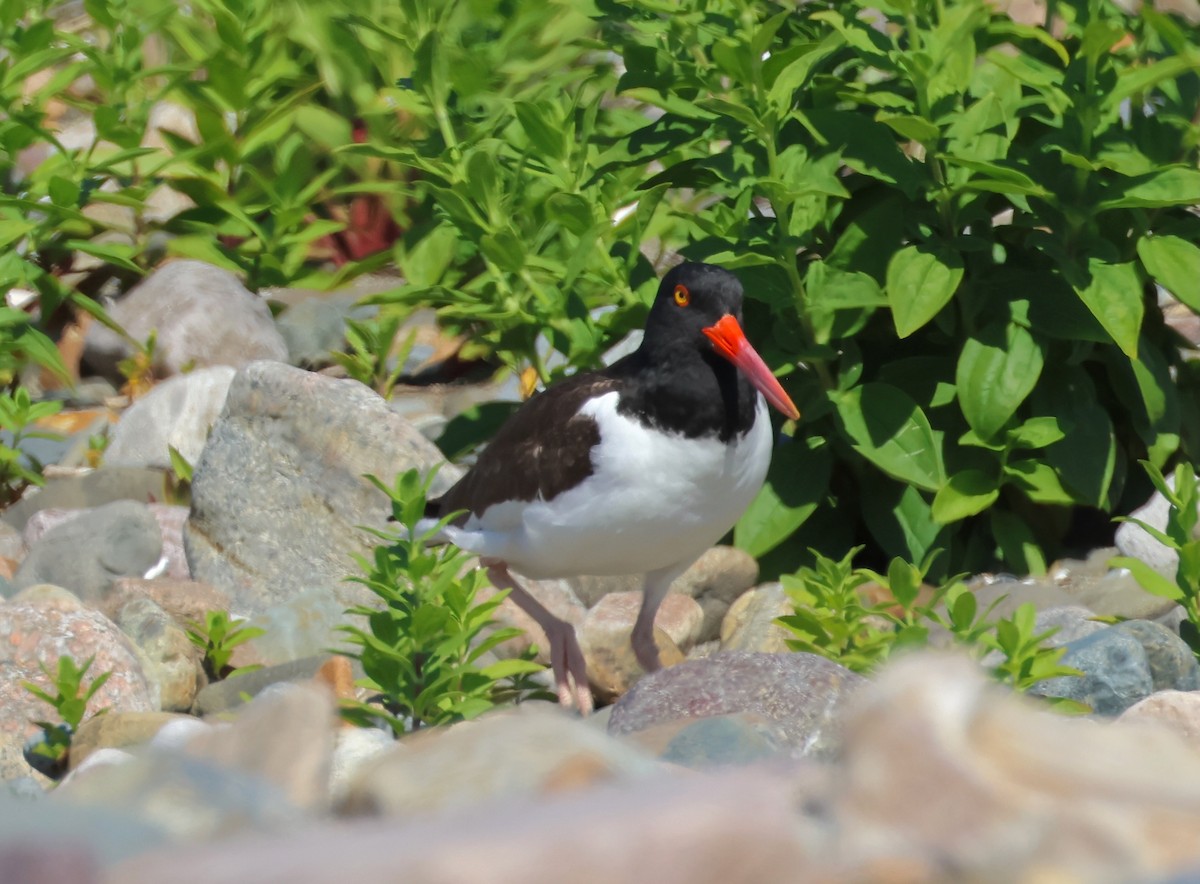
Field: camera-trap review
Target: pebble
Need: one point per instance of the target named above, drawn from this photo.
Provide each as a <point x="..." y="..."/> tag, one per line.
<point x="749" y="624"/>
<point x="172" y="663"/>
<point x="805" y="695"/>
<point x="202" y="316"/>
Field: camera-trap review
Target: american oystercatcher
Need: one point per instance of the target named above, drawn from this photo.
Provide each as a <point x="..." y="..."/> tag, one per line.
<point x="637" y="468"/>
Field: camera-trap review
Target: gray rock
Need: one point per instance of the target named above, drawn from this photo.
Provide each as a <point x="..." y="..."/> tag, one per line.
<point x="87" y="553"/>
<point x="299" y="627"/>
<point x="229" y="693"/>
<point x="726" y="739"/>
<point x="803" y="694"/>
<point x="749" y="624"/>
<point x="279" y="501"/>
<point x="1070" y="622"/>
<point x="177" y="413"/>
<point x="1173" y="666"/>
<point x="12" y="544"/>
<point x="108" y="834"/>
<point x="171" y="662"/>
<point x="715" y="580"/>
<point x="90" y="490"/>
<point x="1132" y="539"/>
<point x="1116" y="673"/>
<point x="170" y="522"/>
<point x="314" y="327"/>
<point x="202" y="315"/>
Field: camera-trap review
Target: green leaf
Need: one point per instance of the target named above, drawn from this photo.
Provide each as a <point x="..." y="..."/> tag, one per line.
<point x="889" y="428"/>
<point x="1114" y="296"/>
<point x="1037" y="432"/>
<point x="1172" y="186"/>
<point x="1175" y="265"/>
<point x="996" y="372"/>
<point x="920" y="282"/>
<point x="1019" y="547"/>
<point x="1150" y="580"/>
<point x="796" y="485"/>
<point x="968" y="493"/>
<point x="1039" y="481"/>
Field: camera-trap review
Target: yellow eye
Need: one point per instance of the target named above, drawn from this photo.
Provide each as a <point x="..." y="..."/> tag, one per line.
<point x="682" y="296"/>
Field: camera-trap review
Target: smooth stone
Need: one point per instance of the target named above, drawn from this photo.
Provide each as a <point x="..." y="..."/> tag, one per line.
<point x="201" y="315"/>
<point x="90" y="490"/>
<point x="612" y="666"/>
<point x="12" y="542"/>
<point x="177" y="413"/>
<point x="1178" y="711"/>
<point x="186" y="601"/>
<point x="1115" y="593"/>
<point x="1069" y="622"/>
<point x="1173" y="666"/>
<point x="47" y="863"/>
<point x="713" y="830"/>
<point x="531" y="750"/>
<point x="716" y="580"/>
<point x="172" y="663"/>
<point x="803" y="694"/>
<point x="229" y="693"/>
<point x="314" y="327"/>
<point x="1116" y="672"/>
<point x="279" y="499"/>
<point x="298" y="627"/>
<point x="699" y="743"/>
<point x="108" y="835"/>
<point x="1133" y="540"/>
<point x="170" y="522"/>
<point x="87" y="553"/>
<point x="118" y="730"/>
<point x="947" y="770"/>
<point x="749" y="624"/>
<point x="32" y="636"/>
<point x="355" y="747"/>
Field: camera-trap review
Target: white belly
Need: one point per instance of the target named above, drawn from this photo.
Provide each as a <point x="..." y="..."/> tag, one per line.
<point x="652" y="500"/>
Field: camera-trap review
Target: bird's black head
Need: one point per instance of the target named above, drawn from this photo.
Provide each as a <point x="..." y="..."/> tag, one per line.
<point x="691" y="298"/>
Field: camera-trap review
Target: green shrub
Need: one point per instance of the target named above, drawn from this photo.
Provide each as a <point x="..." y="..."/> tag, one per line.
<point x="422" y="651"/>
<point x="70" y="700"/>
<point x="217" y="637"/>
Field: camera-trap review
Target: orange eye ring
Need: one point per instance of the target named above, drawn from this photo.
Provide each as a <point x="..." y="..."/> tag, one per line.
<point x="682" y="296"/>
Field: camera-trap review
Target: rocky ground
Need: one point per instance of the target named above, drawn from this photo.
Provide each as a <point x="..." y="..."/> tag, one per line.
<point x="742" y="762"/>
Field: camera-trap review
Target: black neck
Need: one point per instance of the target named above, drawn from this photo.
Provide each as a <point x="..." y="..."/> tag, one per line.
<point x="684" y="390"/>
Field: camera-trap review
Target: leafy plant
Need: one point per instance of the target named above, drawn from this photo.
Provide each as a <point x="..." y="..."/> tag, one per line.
<point x="422" y="652"/>
<point x="217" y="637"/>
<point x="17" y="414"/>
<point x="371" y="360"/>
<point x="70" y="700"/>
<point x="833" y="618"/>
<point x="955" y="221"/>
<point x="1180" y="535"/>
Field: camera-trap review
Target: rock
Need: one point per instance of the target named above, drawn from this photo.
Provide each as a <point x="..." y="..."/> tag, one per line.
<point x="47" y="863"/>
<point x="35" y="636"/>
<point x="670" y="831"/>
<point x="355" y="748"/>
<point x="88" y="490"/>
<point x="1069" y="622"/>
<point x="279" y="502"/>
<point x="202" y="315"/>
<point x="228" y="693"/>
<point x="1177" y="710"/>
<point x="715" y="580"/>
<point x="591" y="589"/>
<point x="750" y="625"/>
<point x="605" y="637"/>
<point x="118" y="730"/>
<point x="801" y="693"/>
<point x="944" y="770"/>
<point x="1132" y="539"/>
<point x="314" y="327"/>
<point x="87" y="553"/>
<point x="298" y="627"/>
<point x="105" y="833"/>
<point x="172" y="663"/>
<point x="1116" y="673"/>
<point x="170" y="522"/>
<point x="533" y="750"/>
<point x="176" y="413"/>
<point x="739" y="738"/>
<point x="12" y="544"/>
<point x="1172" y="664"/>
<point x="186" y="601"/>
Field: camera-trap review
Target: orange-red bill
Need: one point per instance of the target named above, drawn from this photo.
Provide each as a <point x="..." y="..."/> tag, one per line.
<point x="730" y="341"/>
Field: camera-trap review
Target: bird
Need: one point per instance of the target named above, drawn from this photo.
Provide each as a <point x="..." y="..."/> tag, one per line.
<point x="636" y="468"/>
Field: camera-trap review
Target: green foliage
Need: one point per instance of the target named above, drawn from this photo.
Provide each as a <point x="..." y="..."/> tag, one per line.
<point x="216" y="638"/>
<point x="832" y="618"/>
<point x="17" y="414"/>
<point x="70" y="700"/>
<point x="1180" y="535"/>
<point x="422" y="651"/>
<point x="370" y="360"/>
<point x="931" y="206"/>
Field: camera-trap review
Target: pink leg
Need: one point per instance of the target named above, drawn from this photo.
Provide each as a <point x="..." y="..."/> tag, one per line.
<point x="566" y="657"/>
<point x="653" y="592"/>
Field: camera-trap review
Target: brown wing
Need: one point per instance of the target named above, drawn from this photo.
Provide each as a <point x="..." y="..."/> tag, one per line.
<point x="541" y="451"/>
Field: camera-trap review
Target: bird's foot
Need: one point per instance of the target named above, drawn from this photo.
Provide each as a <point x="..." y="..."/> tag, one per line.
<point x="570" y="668"/>
<point x="646" y="650"/>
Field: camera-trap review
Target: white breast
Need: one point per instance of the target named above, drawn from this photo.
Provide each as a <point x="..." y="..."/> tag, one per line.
<point x="653" y="499"/>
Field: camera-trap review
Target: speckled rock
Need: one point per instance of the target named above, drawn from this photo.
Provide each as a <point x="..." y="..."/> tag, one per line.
<point x="185" y="600"/>
<point x="32" y="636"/>
<point x="715" y="580"/>
<point x="88" y="552"/>
<point x="202" y="316"/>
<point x="230" y="693"/>
<point x="542" y="748"/>
<point x="171" y="662"/>
<point x="178" y="413"/>
<point x="279" y="498"/>
<point x="750" y="625"/>
<point x="1172" y="664"/>
<point x="738" y="738"/>
<point x="801" y="693"/>
<point x="1116" y="673"/>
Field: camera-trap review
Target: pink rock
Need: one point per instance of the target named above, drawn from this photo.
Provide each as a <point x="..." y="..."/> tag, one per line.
<point x="39" y="634"/>
<point x="680" y="617"/>
<point x="1177" y="710"/>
